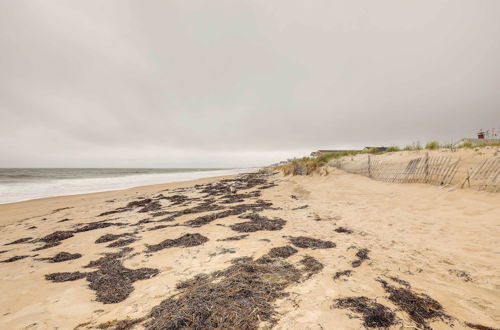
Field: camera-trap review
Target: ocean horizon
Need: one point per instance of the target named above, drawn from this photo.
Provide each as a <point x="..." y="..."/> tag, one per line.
<point x="21" y="184"/>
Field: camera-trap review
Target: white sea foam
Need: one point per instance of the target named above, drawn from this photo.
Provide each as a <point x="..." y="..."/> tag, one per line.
<point x="25" y="190"/>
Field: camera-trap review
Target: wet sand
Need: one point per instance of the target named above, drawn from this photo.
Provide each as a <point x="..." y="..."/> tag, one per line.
<point x="334" y="252"/>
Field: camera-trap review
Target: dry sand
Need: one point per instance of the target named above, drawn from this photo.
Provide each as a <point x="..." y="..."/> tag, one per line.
<point x="445" y="244"/>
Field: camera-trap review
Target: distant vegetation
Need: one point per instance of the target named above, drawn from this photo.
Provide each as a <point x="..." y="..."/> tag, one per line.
<point x="309" y="165"/>
<point x="432" y="145"/>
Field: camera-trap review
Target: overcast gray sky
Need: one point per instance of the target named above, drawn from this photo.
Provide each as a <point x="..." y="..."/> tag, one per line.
<point x="239" y="83"/>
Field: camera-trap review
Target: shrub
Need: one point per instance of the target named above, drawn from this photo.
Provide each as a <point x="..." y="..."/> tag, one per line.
<point x="467" y="144"/>
<point x="393" y="149"/>
<point x="432" y="145"/>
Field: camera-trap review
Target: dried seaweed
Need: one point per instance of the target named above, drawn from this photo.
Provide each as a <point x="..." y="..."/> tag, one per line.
<point x="159" y="214"/>
<point x="311" y="266"/>
<point x="465" y="276"/>
<point x="345" y="273"/>
<point x="21" y="240"/>
<point x="282" y="252"/>
<point x="375" y="315"/>
<point x="313" y="243"/>
<point x="239" y="297"/>
<point x="343" y="230"/>
<point x="186" y="240"/>
<point x="65" y="276"/>
<point x="177" y="199"/>
<point x="259" y="205"/>
<point x="420" y="307"/>
<point x="300" y="207"/>
<point x="362" y="255"/>
<point x="122" y="242"/>
<point x="54" y="239"/>
<point x="150" y="207"/>
<point x="404" y="283"/>
<point x="258" y="223"/>
<point x="93" y="226"/>
<point x="110" y="237"/>
<point x="63" y="256"/>
<point x="15" y="258"/>
<point x="234" y="238"/>
<point x="159" y="227"/>
<point x="111" y="281"/>
<point x="238" y="198"/>
<point x="134" y="204"/>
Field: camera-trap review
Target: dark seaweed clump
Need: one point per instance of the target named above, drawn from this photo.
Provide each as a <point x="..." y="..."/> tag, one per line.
<point x="257" y="223"/>
<point x="54" y="239"/>
<point x="15" y="258"/>
<point x="282" y="252"/>
<point x="186" y="240"/>
<point x="362" y="255"/>
<point x="345" y="273"/>
<point x="343" y="230"/>
<point x="313" y="243"/>
<point x="111" y="281"/>
<point x="234" y="238"/>
<point x="159" y="227"/>
<point x="63" y="256"/>
<point x="420" y="307"/>
<point x="110" y="237"/>
<point x="311" y="266"/>
<point x="239" y="297"/>
<point x="65" y="276"/>
<point x="375" y="315"/>
<point x="234" y="210"/>
<point x="93" y="226"/>
<point x="466" y="277"/>
<point x="19" y="241"/>
<point x="146" y="205"/>
<point x="300" y="207"/>
<point x="150" y="207"/>
<point x="122" y="242"/>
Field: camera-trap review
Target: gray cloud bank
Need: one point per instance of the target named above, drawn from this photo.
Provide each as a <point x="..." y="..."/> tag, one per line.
<point x="239" y="83"/>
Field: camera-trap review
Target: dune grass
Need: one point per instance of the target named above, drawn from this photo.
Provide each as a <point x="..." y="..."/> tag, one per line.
<point x="432" y="145"/>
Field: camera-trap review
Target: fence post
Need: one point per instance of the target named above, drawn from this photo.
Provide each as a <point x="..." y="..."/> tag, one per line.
<point x="426" y="166"/>
<point x="369" y="167"/>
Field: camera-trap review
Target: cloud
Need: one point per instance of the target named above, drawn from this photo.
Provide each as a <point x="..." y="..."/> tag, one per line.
<point x="127" y="83"/>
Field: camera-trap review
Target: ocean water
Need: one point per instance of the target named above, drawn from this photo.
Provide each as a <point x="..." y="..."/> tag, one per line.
<point x="19" y="184"/>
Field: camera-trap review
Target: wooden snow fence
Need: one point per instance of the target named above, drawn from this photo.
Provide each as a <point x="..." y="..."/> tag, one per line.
<point x="439" y="170"/>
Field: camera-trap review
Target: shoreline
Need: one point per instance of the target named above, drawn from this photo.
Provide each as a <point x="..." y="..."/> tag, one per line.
<point x="6" y="209"/>
<point x="147" y="179"/>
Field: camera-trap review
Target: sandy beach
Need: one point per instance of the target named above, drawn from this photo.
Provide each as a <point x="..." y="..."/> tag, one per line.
<point x="336" y="251"/>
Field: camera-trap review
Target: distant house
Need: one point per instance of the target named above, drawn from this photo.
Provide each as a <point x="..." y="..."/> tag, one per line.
<point x="378" y="149"/>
